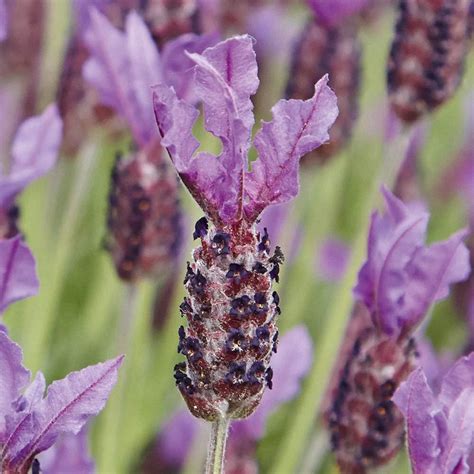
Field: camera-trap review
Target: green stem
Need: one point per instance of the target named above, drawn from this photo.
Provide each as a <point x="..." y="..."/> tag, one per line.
<point x="216" y="450"/>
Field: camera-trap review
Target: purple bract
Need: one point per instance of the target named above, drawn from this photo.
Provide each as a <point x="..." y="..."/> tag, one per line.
<point x="440" y="427"/>
<point x="402" y="276"/>
<point x="225" y="78"/>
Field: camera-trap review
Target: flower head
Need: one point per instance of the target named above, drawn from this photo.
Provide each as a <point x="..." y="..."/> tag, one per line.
<point x="402" y="276"/>
<point x="440" y="427"/>
<point x="225" y="78"/>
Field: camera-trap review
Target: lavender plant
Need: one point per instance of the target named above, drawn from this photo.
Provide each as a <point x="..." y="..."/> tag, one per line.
<point x="230" y="308"/>
<point x="397" y="284"/>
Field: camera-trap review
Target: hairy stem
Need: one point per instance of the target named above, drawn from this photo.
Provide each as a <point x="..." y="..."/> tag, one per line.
<point x="216" y="449"/>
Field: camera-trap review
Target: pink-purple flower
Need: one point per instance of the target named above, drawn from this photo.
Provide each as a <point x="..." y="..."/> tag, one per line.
<point x="33" y="153"/>
<point x="225" y="78"/>
<point x="18" y="278"/>
<point x="403" y="276"/>
<point x="440" y="425"/>
<point x="30" y="422"/>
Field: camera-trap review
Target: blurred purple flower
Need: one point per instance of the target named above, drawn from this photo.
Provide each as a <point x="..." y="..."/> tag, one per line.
<point x="33" y="154"/>
<point x="440" y="427"/>
<point x="290" y="364"/>
<point x="402" y="276"/>
<point x="124" y="65"/>
<point x="332" y="12"/>
<point x="18" y="278"/>
<point x="333" y="259"/>
<point x="69" y="455"/>
<point x="3" y="20"/>
<point x="225" y="78"/>
<point x="29" y="423"/>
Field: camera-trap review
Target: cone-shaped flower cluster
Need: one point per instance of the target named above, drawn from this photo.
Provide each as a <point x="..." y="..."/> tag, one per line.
<point x="329" y="44"/>
<point x="427" y="55"/>
<point x="400" y="280"/>
<point x="231" y="307"/>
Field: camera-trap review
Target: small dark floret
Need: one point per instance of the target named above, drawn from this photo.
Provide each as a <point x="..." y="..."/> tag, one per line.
<point x="201" y="228"/>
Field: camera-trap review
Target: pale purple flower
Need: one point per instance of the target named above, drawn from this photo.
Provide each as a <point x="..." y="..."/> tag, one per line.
<point x="333" y="259"/>
<point x="225" y="78"/>
<point x="291" y="363"/>
<point x="33" y="153"/>
<point x="31" y="422"/>
<point x="402" y="276"/>
<point x="332" y="12"/>
<point x="124" y="65"/>
<point x="18" y="278"/>
<point x="3" y="20"/>
<point x="69" y="455"/>
<point x="440" y="426"/>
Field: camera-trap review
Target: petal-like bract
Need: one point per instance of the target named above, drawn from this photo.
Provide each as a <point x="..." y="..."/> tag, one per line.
<point x="123" y="67"/>
<point x="440" y="429"/>
<point x="13" y="378"/>
<point x="18" y="278"/>
<point x="226" y="77"/>
<point x="402" y="277"/>
<point x="68" y="404"/>
<point x="297" y="128"/>
<point x="34" y="153"/>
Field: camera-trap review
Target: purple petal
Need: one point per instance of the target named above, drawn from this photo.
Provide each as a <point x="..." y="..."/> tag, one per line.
<point x="34" y="152"/>
<point x="69" y="455"/>
<point x="430" y="273"/>
<point x="333" y="259"/>
<point x="290" y="364"/>
<point x="393" y="239"/>
<point x="68" y="405"/>
<point x="177" y="64"/>
<point x="297" y="128"/>
<point x="460" y="377"/>
<point x="18" y="278"/>
<point x="226" y="77"/>
<point x="13" y="378"/>
<point x="422" y="413"/>
<point x="3" y="20"/>
<point x="122" y="67"/>
<point x="332" y="12"/>
<point x="460" y="428"/>
<point x="81" y="11"/>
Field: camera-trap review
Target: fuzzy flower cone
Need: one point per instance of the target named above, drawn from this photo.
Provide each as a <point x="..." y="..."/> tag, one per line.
<point x="427" y="55"/>
<point x="231" y="307"/>
<point x="400" y="280"/>
<point x="329" y="44"/>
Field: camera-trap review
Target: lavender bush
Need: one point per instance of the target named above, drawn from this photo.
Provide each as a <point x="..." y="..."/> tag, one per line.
<point x="274" y="318"/>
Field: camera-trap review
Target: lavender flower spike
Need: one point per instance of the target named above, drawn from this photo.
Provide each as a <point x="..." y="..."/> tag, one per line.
<point x="29" y="423"/>
<point x="18" y="278"/>
<point x="402" y="276"/>
<point x="440" y="428"/>
<point x="230" y="308"/>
